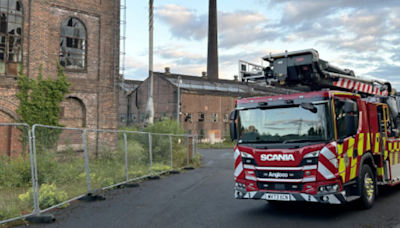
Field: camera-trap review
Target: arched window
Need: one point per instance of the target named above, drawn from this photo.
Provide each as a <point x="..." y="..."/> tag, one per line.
<point x="11" y="34"/>
<point x="73" y="44"/>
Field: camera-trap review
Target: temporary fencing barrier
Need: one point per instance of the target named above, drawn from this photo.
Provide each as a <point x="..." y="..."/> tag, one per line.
<point x="68" y="163"/>
<point x="15" y="145"/>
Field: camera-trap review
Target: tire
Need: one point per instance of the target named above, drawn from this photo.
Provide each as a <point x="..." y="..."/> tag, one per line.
<point x="367" y="187"/>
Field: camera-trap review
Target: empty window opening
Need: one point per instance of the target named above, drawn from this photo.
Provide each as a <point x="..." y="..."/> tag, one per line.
<point x="214" y="117"/>
<point x="201" y="117"/>
<point x="73" y="43"/>
<point x="188" y="117"/>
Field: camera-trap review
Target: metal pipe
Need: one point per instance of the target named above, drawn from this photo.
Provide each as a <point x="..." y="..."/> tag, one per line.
<point x="150" y="104"/>
<point x="151" y="155"/>
<point x="36" y="192"/>
<point x="170" y="148"/>
<point x="178" y="104"/>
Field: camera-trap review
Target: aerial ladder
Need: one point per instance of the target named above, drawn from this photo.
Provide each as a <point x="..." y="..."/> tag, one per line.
<point x="304" y="69"/>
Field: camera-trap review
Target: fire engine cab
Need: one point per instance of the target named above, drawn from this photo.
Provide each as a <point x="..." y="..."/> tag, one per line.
<point x="332" y="143"/>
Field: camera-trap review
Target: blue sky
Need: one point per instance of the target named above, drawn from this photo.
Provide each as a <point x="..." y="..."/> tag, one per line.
<point x="360" y="35"/>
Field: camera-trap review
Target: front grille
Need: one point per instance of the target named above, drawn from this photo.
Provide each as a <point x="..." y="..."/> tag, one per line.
<point x="280" y="186"/>
<point x="279" y="174"/>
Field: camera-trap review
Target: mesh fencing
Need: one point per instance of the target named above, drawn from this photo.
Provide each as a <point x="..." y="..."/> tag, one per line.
<point x="56" y="165"/>
<point x="16" y="172"/>
<point x="60" y="163"/>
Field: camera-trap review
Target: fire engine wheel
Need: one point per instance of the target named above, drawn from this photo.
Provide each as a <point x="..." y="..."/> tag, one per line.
<point x="367" y="183"/>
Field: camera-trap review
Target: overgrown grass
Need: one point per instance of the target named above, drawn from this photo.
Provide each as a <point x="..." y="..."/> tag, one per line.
<point x="64" y="175"/>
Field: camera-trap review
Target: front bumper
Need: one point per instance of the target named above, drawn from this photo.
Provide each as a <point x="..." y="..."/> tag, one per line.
<point x="329" y="198"/>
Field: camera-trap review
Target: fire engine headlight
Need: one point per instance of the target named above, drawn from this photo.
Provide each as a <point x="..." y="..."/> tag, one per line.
<point x="328" y="188"/>
<point x="246" y="155"/>
<point x="314" y="154"/>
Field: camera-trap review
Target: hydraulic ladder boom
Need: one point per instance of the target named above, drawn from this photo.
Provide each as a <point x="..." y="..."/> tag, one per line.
<point x="305" y="68"/>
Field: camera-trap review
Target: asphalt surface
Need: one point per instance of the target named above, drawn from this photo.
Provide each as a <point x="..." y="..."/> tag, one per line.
<point x="204" y="198"/>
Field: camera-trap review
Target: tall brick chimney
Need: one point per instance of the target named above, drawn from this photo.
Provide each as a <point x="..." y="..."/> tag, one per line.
<point x="212" y="58"/>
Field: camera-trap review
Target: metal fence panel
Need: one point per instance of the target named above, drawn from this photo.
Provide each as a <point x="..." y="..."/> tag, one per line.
<point x="138" y="155"/>
<point x="161" y="153"/>
<point x="60" y="162"/>
<point x="17" y="185"/>
<point x="180" y="151"/>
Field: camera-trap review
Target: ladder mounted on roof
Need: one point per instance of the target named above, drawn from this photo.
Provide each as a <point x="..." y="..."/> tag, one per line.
<point x="305" y="68"/>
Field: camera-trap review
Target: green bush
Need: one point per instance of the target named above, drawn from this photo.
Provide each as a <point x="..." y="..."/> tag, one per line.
<point x="49" y="195"/>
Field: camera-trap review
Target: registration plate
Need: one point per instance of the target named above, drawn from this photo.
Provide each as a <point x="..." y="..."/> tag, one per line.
<point x="279" y="197"/>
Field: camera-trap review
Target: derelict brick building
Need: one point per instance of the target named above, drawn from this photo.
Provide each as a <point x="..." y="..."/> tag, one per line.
<point x="83" y="35"/>
<point x="205" y="102"/>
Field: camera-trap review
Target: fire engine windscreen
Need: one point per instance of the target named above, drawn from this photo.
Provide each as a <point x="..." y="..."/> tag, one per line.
<point x="284" y="125"/>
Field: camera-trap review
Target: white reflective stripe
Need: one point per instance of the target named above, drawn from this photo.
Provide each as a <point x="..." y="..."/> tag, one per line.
<point x="310" y="167"/>
<point x="325" y="172"/>
<point x="333" y="199"/>
<point x="239" y="169"/>
<point x="236" y="154"/>
<point x="334" y="162"/>
<point x="345" y="83"/>
<point x="292" y="198"/>
<point x="350" y="86"/>
<point x="249" y="166"/>
<point x="327" y="153"/>
<point x="308" y="197"/>
<point x="252" y="194"/>
<point x="251" y="178"/>
<point x="309" y="179"/>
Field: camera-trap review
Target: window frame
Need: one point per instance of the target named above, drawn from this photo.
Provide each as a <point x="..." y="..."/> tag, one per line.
<point x="84" y="69"/>
<point x="7" y="36"/>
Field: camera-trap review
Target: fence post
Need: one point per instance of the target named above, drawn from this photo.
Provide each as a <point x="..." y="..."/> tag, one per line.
<point x="193" y="142"/>
<point x="187" y="148"/>
<point x="36" y="192"/>
<point x="170" y="148"/>
<point x="151" y="154"/>
<point x="126" y="156"/>
<point x="89" y="187"/>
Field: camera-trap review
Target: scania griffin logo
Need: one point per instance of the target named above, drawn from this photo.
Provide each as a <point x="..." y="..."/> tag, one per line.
<point x="277" y="157"/>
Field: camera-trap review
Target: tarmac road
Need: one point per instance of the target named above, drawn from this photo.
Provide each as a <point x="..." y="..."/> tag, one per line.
<point x="204" y="198"/>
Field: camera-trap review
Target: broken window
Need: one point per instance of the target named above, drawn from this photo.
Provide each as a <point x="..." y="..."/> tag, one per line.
<point x="201" y="117"/>
<point x="133" y="117"/>
<point x="188" y="117"/>
<point x="214" y="117"/>
<point x="11" y="16"/>
<point x="226" y="118"/>
<point x="123" y="119"/>
<point x="73" y="43"/>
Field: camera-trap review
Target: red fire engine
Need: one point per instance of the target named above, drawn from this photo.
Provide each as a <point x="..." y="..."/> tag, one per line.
<point x="333" y="143"/>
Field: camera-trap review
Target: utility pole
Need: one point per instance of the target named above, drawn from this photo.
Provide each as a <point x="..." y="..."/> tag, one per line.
<point x="178" y="104"/>
<point x="150" y="104"/>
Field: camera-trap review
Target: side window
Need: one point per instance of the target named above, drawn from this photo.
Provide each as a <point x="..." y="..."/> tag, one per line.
<point x="340" y="117"/>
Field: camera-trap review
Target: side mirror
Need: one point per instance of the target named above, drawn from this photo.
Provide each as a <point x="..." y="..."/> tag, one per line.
<point x="351" y="118"/>
<point x="232" y="126"/>
<point x="350" y="106"/>
<point x="309" y="106"/>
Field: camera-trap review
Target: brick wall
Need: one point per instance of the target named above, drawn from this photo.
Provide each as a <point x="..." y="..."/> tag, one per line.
<point x="92" y="88"/>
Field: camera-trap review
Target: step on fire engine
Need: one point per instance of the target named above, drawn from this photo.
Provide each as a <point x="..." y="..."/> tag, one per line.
<point x="333" y="144"/>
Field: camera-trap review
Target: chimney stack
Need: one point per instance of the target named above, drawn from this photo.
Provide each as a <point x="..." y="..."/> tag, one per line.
<point x="167" y="72"/>
<point x="236" y="78"/>
<point x="212" y="58"/>
<point x="204" y="74"/>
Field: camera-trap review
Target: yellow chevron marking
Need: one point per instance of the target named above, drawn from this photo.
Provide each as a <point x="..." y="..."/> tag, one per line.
<point x="390" y="146"/>
<point x="390" y="158"/>
<point x="350" y="148"/>
<point x="386" y="155"/>
<point x="396" y="158"/>
<point x="380" y="171"/>
<point x="369" y="142"/>
<point x="342" y="169"/>
<point x="353" y="169"/>
<point x="360" y="148"/>
<point x="340" y="149"/>
<point x="396" y="146"/>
